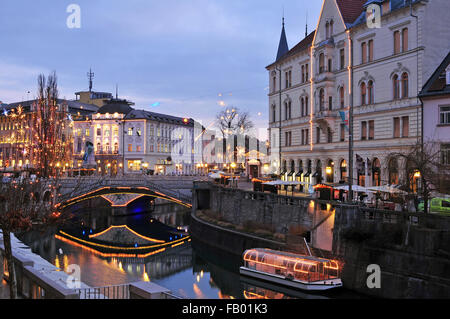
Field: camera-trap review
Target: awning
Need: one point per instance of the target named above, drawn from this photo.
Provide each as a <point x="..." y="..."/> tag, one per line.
<point x="316" y="174"/>
<point x="291" y="173"/>
<point x="283" y="172"/>
<point x="307" y="174"/>
<point x="300" y="172"/>
<point x="355" y="188"/>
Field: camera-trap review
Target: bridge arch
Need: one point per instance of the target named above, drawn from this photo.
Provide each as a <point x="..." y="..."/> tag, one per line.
<point x="112" y="190"/>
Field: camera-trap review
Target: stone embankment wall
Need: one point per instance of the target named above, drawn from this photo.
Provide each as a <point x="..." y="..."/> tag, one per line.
<point x="411" y="249"/>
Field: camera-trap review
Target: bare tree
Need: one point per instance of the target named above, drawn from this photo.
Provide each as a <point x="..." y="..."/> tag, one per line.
<point x="27" y="205"/>
<point x="423" y="170"/>
<point x="232" y="122"/>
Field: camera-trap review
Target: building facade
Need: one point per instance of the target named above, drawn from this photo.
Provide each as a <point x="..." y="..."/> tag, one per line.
<point x="128" y="141"/>
<point x="348" y="64"/>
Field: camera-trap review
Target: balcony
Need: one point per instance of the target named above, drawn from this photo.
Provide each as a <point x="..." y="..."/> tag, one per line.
<point x="107" y="152"/>
<point x="326" y="118"/>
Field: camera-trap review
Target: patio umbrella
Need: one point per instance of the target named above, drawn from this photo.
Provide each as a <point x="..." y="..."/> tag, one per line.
<point x="388" y="189"/>
<point x="355" y="188"/>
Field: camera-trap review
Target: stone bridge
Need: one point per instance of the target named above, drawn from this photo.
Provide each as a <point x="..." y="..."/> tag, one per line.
<point x="123" y="190"/>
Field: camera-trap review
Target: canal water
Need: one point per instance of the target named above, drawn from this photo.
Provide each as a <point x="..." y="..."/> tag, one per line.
<point x="191" y="270"/>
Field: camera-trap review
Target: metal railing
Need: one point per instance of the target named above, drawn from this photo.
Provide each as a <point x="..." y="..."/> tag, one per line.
<point x="108" y="292"/>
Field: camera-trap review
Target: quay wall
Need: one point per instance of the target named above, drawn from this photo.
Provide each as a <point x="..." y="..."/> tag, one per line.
<point x="412" y="250"/>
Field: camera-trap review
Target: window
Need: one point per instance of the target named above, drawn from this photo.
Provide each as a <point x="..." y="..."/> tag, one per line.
<point x="330" y="65"/>
<point x="396" y="42"/>
<point x="370" y="50"/>
<point x="138" y="131"/>
<point x="371" y="130"/>
<point x="342" y="97"/>
<point x="87" y="132"/>
<point x="274" y="83"/>
<point x="302" y="107"/>
<point x="330" y="103"/>
<point x="79" y="132"/>
<point x="405" y="40"/>
<point x="116" y="147"/>
<point x="342" y="58"/>
<point x="396" y="87"/>
<point x="321" y="63"/>
<point x="274" y="113"/>
<point x="130" y="148"/>
<point x="303" y="74"/>
<point x="386" y="7"/>
<point x="444" y="115"/>
<point x="396" y="127"/>
<point x="405" y="126"/>
<point x="138" y="148"/>
<point x="363" y="131"/>
<point x="303" y="137"/>
<point x="130" y="131"/>
<point x="317" y="135"/>
<point x="287" y="109"/>
<point x="307" y="136"/>
<point x="445" y="154"/>
<point x="306" y="106"/>
<point x="327" y="30"/>
<point x="363" y="52"/>
<point x="307" y="72"/>
<point x="288" y="76"/>
<point x="405" y="85"/>
<point x="329" y="135"/>
<point x="331" y="28"/>
<point x="115" y="131"/>
<point x="321" y="99"/>
<point x="370" y="99"/>
<point x="288" y="138"/>
<point x="363" y="93"/>
<point x="99" y="131"/>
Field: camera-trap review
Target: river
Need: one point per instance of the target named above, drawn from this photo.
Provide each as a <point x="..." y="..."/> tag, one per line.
<point x="191" y="270"/>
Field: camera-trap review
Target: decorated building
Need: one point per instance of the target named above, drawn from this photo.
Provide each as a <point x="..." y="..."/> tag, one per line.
<point x="370" y="57"/>
<point x="118" y="139"/>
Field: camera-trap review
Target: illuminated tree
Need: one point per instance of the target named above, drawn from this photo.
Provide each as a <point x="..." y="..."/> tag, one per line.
<point x="50" y="143"/>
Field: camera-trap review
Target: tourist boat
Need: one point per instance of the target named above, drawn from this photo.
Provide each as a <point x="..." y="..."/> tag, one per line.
<point x="292" y="270"/>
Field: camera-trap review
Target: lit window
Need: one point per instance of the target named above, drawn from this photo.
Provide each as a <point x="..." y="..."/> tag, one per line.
<point x="130" y="131"/>
<point x="130" y="148"/>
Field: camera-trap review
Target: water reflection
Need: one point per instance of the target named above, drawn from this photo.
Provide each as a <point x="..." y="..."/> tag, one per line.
<point x="190" y="270"/>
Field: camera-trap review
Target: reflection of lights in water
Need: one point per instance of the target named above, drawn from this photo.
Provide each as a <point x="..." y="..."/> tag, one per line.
<point x="223" y="296"/>
<point x="198" y="292"/>
<point x="145" y="277"/>
<point x="201" y="273"/>
<point x="129" y="269"/>
<point x="57" y="262"/>
<point x="66" y="262"/>
<point x="198" y="278"/>
<point x="120" y="266"/>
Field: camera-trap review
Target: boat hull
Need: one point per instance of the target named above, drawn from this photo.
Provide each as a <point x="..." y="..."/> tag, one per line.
<point x="303" y="285"/>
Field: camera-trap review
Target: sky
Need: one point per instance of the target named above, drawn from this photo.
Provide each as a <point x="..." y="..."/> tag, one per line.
<point x="186" y="56"/>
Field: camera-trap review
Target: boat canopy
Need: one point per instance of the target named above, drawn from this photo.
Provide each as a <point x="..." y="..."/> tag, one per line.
<point x="290" y="265"/>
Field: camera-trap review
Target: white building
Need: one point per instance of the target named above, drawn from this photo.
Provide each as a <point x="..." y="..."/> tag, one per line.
<point x="348" y="63"/>
<point x="125" y="140"/>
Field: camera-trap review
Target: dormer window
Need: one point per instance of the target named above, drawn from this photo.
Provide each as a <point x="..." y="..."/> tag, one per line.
<point x="447" y="77"/>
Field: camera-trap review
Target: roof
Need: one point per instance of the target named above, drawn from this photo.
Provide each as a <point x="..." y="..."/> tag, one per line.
<point x="283" y="47"/>
<point x="299" y="47"/>
<point x="142" y="114"/>
<point x="116" y="106"/>
<point x="437" y="84"/>
<point x="351" y="9"/>
<point x="74" y="106"/>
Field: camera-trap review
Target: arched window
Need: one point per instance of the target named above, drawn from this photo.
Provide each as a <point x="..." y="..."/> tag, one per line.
<point x="274" y="117"/>
<point x="376" y="172"/>
<point x="370" y="99"/>
<point x="327" y="30"/>
<point x="303" y="74"/>
<point x="321" y="63"/>
<point x="405" y="85"/>
<point x="396" y="87"/>
<point x="363" y="93"/>
<point x="343" y="168"/>
<point x="321" y="99"/>
<point x="306" y="106"/>
<point x="331" y="28"/>
<point x="393" y="171"/>
<point x="116" y="147"/>
<point x="341" y="97"/>
<point x="302" y="106"/>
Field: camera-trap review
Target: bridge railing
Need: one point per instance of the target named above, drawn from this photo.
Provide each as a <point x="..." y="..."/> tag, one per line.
<point x="108" y="292"/>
